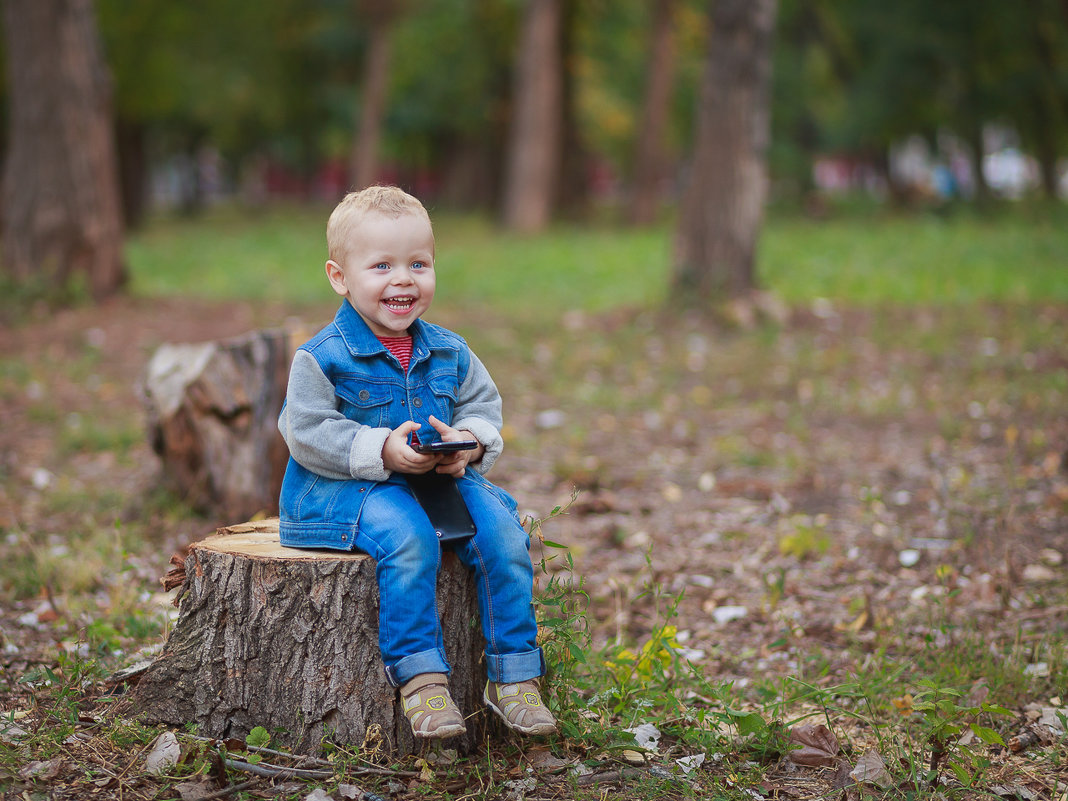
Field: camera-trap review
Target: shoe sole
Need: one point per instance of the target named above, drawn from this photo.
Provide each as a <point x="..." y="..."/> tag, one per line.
<point x="543" y="728"/>
<point x="440" y="733"/>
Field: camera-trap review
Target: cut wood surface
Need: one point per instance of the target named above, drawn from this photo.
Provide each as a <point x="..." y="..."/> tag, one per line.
<point x="287" y="639"/>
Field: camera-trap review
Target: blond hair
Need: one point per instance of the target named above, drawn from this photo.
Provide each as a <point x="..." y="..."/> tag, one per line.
<point x="388" y="200"/>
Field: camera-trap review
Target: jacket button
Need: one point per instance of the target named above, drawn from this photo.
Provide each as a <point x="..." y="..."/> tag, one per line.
<point x="364" y="394"/>
<point x="417" y="402"/>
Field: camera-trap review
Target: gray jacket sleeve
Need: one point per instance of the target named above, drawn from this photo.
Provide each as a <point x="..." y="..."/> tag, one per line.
<point x="478" y="409"/>
<point x="321" y="438"/>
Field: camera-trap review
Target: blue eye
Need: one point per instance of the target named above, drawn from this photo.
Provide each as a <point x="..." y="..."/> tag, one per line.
<point x="382" y="266"/>
<point x="418" y="265"/>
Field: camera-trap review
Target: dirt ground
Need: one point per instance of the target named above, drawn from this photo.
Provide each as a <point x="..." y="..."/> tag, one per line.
<point x="791" y="521"/>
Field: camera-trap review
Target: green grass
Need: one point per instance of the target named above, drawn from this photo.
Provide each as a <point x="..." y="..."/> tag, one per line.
<point x="1017" y="256"/>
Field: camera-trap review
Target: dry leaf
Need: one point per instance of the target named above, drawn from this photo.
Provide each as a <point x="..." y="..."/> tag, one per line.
<point x="193" y="791"/>
<point x="543" y="759"/>
<point x="871" y="769"/>
<point x="164" y="755"/>
<point x="818" y="746"/>
<point x="42" y="770"/>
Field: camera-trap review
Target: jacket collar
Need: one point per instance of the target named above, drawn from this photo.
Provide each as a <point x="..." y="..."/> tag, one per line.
<point x="361" y="341"/>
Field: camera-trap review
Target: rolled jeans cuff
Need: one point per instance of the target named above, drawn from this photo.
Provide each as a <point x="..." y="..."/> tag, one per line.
<point x="432" y="661"/>
<point x="509" y="668"/>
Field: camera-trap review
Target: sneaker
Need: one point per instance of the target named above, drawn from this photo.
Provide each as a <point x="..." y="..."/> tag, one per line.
<point x="519" y="706"/>
<point x="429" y="708"/>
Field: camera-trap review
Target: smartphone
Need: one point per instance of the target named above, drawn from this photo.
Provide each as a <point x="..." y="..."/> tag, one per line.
<point x="445" y="447"/>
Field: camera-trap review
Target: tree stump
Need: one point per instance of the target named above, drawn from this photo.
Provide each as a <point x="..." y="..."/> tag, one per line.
<point x="287" y="639"/>
<point x="213" y="416"/>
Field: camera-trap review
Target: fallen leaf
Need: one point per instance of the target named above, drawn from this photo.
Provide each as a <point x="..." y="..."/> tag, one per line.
<point x="1038" y="573"/>
<point x="979" y="692"/>
<point x="193" y="791"/>
<point x="903" y="704"/>
<point x="646" y="735"/>
<point x="318" y="794"/>
<point x="164" y="754"/>
<point x="818" y="747"/>
<point x="1051" y="557"/>
<point x="725" y="614"/>
<point x="909" y="557"/>
<point x="872" y="770"/>
<point x="1051" y="719"/>
<point x="446" y="756"/>
<point x="543" y="759"/>
<point x="633" y="757"/>
<point x="42" y="770"/>
<point x="690" y="763"/>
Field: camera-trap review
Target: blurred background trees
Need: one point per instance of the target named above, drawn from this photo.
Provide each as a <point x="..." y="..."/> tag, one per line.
<point x="61" y="214"/>
<point x="541" y="110"/>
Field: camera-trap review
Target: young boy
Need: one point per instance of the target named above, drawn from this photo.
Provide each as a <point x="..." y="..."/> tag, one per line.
<point x="361" y="393"/>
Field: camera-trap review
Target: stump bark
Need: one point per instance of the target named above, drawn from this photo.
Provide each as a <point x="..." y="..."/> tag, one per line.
<point x="213" y="415"/>
<point x="287" y="639"/>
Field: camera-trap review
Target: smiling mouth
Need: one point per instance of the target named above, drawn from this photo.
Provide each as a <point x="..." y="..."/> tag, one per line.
<point x="399" y="304"/>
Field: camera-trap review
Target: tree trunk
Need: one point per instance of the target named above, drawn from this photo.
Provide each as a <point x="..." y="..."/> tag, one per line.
<point x="61" y="206"/>
<point x="649" y="159"/>
<point x="133" y="171"/>
<point x="287" y="639"/>
<point x="469" y="173"/>
<point x="571" y="186"/>
<point x="213" y="411"/>
<point x="1050" y="106"/>
<point x="364" y="159"/>
<point x="976" y="153"/>
<point x="534" y="141"/>
<point x="723" y="205"/>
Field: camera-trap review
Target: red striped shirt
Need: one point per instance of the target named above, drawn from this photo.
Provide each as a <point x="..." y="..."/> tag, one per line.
<point x="401" y="347"/>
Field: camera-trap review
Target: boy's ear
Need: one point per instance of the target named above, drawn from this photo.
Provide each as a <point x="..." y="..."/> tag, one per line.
<point x="336" y="276"/>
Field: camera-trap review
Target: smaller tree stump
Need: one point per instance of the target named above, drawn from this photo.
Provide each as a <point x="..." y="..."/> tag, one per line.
<point x="287" y="639"/>
<point x="213" y="419"/>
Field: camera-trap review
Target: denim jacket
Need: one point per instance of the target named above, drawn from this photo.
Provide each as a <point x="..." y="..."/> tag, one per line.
<point x="346" y="393"/>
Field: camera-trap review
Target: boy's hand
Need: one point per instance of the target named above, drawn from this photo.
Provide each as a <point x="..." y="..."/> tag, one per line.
<point x="398" y="455"/>
<point x="454" y="464"/>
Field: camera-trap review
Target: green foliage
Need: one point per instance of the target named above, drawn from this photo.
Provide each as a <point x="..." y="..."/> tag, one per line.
<point x="946" y="715"/>
<point x="56" y="693"/>
<point x="259" y="737"/>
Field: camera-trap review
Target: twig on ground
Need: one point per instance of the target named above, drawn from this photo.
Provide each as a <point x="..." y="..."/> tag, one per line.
<point x="229" y="790"/>
<point x="611" y="776"/>
<point x="255" y="749"/>
<point x="276" y="772"/>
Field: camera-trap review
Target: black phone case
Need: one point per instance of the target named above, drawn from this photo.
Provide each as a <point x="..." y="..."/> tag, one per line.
<point x="444" y="505"/>
<point x="447" y="447"/>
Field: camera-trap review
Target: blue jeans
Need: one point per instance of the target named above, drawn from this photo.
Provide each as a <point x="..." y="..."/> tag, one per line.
<point x="396" y="532"/>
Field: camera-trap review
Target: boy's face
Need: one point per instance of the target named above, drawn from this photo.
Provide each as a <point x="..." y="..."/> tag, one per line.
<point x="388" y="271"/>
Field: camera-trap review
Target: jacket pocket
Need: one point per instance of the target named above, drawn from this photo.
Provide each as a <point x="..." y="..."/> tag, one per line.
<point x="364" y="402"/>
<point x="445" y="392"/>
